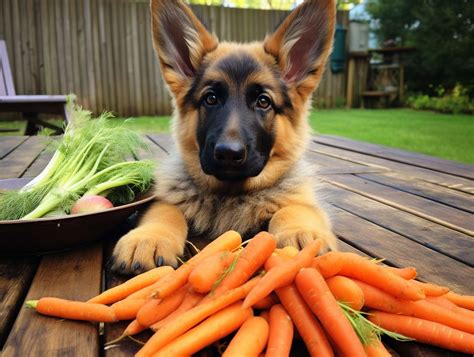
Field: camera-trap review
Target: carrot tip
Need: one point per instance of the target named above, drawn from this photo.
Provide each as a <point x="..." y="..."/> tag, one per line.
<point x="31" y="304"/>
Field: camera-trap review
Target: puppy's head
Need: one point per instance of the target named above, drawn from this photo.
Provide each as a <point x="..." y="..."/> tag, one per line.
<point x="241" y="108"/>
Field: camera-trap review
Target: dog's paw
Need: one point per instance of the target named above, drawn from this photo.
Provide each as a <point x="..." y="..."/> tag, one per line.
<point x="143" y="249"/>
<point x="301" y="237"/>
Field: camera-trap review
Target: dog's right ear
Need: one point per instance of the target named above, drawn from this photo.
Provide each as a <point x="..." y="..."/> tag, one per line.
<point x="180" y="40"/>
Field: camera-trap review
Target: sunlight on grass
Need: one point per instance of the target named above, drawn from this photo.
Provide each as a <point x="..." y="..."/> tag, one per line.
<point x="443" y="135"/>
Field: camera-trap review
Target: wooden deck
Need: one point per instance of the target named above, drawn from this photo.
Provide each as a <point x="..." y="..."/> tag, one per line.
<point x="409" y="209"/>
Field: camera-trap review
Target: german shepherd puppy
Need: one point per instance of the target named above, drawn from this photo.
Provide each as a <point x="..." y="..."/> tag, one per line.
<point x="241" y="129"/>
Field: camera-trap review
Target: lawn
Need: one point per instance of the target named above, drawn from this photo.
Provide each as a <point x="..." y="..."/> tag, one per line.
<point x="443" y="135"/>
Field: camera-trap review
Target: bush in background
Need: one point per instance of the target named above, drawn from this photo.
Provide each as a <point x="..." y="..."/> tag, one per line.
<point x="456" y="101"/>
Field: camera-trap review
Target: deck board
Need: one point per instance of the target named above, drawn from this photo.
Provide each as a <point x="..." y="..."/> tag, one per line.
<point x="393" y="154"/>
<point x="403" y="169"/>
<point x="72" y="275"/>
<point x="410" y="209"/>
<point x="444" y="240"/>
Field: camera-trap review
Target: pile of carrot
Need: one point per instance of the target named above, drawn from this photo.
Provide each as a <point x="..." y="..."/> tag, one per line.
<point x="259" y="294"/>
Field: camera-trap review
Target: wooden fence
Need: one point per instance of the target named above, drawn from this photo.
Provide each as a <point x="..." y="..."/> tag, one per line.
<point x="101" y="50"/>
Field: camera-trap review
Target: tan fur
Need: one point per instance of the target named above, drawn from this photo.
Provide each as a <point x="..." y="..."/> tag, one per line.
<point x="281" y="197"/>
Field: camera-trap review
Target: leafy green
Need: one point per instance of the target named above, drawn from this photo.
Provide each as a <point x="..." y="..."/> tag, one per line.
<point x="93" y="158"/>
<point x="366" y="330"/>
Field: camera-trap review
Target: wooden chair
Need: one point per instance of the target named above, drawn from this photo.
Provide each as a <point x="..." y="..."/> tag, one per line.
<point x="28" y="105"/>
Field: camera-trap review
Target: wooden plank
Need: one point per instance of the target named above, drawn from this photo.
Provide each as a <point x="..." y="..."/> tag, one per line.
<point x="95" y="58"/>
<point x="330" y="165"/>
<point x="58" y="19"/>
<point x="433" y="211"/>
<point x="163" y="140"/>
<point x="135" y="79"/>
<point x="455" y="199"/>
<point x="407" y="157"/>
<point x="72" y="275"/>
<point x="16" y="163"/>
<point x="89" y="59"/>
<point x="9" y="143"/>
<point x="444" y="240"/>
<point x="74" y="41"/>
<point x="46" y="51"/>
<point x="438" y="178"/>
<point x="15" y="277"/>
<point x="402" y="252"/>
<point x="40" y="163"/>
<point x="17" y="50"/>
<point x="125" y="347"/>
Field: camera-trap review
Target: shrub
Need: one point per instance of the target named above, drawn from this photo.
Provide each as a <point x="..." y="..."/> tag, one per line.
<point x="456" y="101"/>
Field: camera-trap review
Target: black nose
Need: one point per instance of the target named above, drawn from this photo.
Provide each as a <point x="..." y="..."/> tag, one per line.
<point x="230" y="153"/>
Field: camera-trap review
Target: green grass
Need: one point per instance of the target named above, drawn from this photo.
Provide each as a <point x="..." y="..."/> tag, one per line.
<point x="443" y="135"/>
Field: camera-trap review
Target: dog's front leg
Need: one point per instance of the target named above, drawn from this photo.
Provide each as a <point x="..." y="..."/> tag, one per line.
<point x="158" y="240"/>
<point x="297" y="225"/>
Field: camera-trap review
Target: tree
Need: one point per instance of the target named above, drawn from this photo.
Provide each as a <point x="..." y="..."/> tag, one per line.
<point x="443" y="34"/>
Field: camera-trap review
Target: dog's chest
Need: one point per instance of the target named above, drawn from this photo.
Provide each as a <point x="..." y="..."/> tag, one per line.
<point x="216" y="213"/>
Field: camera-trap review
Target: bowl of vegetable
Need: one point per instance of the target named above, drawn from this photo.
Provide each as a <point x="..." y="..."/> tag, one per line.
<point x="92" y="183"/>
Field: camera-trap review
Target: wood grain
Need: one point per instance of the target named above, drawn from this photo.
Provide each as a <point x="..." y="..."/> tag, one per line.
<point x="434" y="211"/>
<point x="17" y="161"/>
<point x="72" y="275"/>
<point x="15" y="278"/>
<point x="399" y="251"/>
<point x="444" y="240"/>
<point x="406" y="170"/>
<point x="415" y="159"/>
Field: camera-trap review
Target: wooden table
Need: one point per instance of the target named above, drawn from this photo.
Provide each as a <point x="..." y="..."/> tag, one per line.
<point x="410" y="209"/>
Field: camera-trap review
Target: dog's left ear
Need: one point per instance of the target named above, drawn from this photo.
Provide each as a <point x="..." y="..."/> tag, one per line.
<point x="303" y="41"/>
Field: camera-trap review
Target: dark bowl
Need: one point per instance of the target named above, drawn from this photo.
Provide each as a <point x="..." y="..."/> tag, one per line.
<point x="53" y="234"/>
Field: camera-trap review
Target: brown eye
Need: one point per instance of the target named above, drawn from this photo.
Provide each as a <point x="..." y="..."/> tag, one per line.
<point x="263" y="101"/>
<point x="211" y="99"/>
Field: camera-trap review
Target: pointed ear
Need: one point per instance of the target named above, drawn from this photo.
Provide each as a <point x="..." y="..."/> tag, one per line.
<point x="179" y="38"/>
<point x="303" y="41"/>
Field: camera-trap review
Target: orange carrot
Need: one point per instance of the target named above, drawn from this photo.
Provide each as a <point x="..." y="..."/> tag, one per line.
<point x="431" y="289"/>
<point x="376" y="349"/>
<point x="73" y="310"/>
<point x="465" y="301"/>
<point x="133" y="328"/>
<point x="317" y="295"/>
<point x="130" y="286"/>
<point x="448" y="304"/>
<point x="308" y="328"/>
<point x="155" y="310"/>
<point x="251" y="258"/>
<point x="355" y="266"/>
<point x="266" y="303"/>
<point x="128" y="309"/>
<point x="345" y="290"/>
<point x="190" y="300"/>
<point x="407" y="273"/>
<point x="173" y="281"/>
<point x="283" y="274"/>
<point x="142" y="293"/>
<point x="425" y="331"/>
<point x="380" y="300"/>
<point x="209" y="270"/>
<point x="194" y="316"/>
<point x="250" y="339"/>
<point x="281" y="332"/>
<point x="212" y="329"/>
<point x="287" y="252"/>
